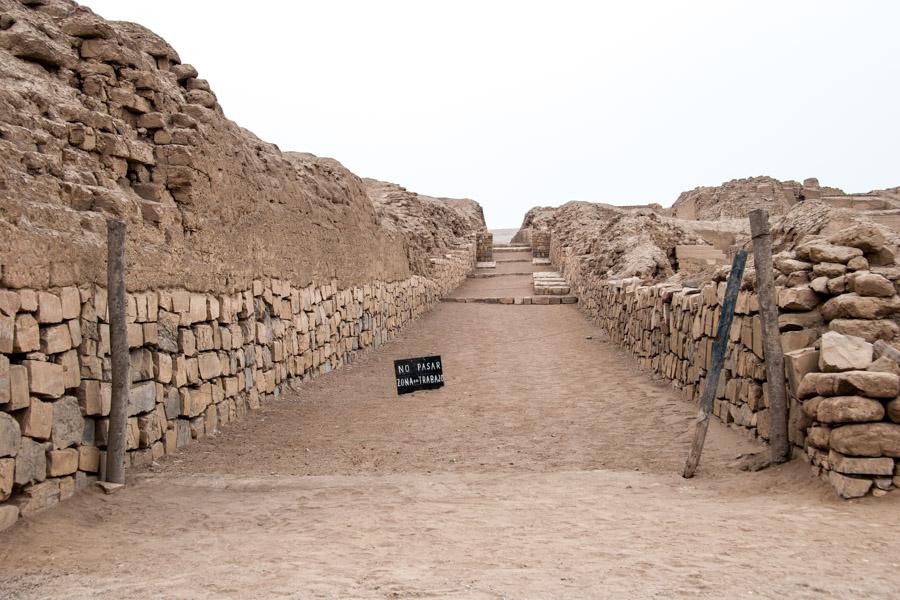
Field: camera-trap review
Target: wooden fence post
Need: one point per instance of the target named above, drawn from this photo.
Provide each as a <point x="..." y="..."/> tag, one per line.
<point x="118" y="342"/>
<point x="718" y="360"/>
<point x="779" y="443"/>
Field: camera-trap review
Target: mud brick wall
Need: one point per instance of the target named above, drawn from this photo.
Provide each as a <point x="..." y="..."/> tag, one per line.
<point x="540" y="244"/>
<point x="485" y="247"/>
<point x="198" y="362"/>
<point x="836" y="297"/>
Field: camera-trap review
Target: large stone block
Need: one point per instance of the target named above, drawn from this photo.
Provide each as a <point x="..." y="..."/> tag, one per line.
<point x="872" y="384"/>
<point x="861" y="466"/>
<point x="19" y="393"/>
<point x="37" y="497"/>
<point x="869" y="330"/>
<point x="849" y="409"/>
<point x="829" y="253"/>
<point x="209" y="365"/>
<point x="798" y="363"/>
<point x="798" y="298"/>
<point x="31" y="462"/>
<point x="55" y="339"/>
<point x="70" y="299"/>
<point x="141" y="398"/>
<point x="27" y="335"/>
<point x="45" y="379"/>
<point x="36" y="421"/>
<point x="865" y="236"/>
<point x="869" y="439"/>
<point x="62" y="462"/>
<point x="68" y="424"/>
<point x="840" y="352"/>
<point x="88" y="459"/>
<point x="849" y="487"/>
<point x="854" y="306"/>
<point x="49" y="308"/>
<point x="7" y="333"/>
<point x="872" y="284"/>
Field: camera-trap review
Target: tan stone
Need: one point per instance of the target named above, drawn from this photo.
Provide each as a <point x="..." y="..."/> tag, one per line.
<point x="55" y="339"/>
<point x="849" y="487"/>
<point x="893" y="410"/>
<point x="849" y="409"/>
<point x="829" y="253"/>
<point x="860" y="466"/>
<point x="869" y="439"/>
<point x="19" y="393"/>
<point x="869" y="330"/>
<point x="209" y="364"/>
<point x="854" y="306"/>
<point x="7" y="333"/>
<point x="88" y="459"/>
<point x="9" y="514"/>
<point x="27" y="336"/>
<point x="872" y="284"/>
<point x="858" y="263"/>
<point x="198" y="308"/>
<point x="37" y="497"/>
<point x="818" y="437"/>
<point x="798" y="298"/>
<point x="840" y="352"/>
<point x="866" y="383"/>
<point x="811" y="406"/>
<point x="45" y="379"/>
<point x="70" y="300"/>
<point x="62" y="462"/>
<point x="49" y="308"/>
<point x="162" y="367"/>
<point x="867" y="237"/>
<point x="36" y="421"/>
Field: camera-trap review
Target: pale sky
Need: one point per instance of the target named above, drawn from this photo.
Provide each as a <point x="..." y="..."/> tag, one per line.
<point x="517" y="104"/>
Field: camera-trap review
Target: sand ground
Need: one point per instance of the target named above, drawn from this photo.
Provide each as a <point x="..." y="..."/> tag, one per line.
<point x="547" y="467"/>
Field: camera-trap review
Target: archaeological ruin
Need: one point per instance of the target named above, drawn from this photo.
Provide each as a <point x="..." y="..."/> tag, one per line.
<point x="253" y="272"/>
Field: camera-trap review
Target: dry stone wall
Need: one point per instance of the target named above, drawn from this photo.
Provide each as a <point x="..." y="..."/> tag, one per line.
<point x="198" y="362"/>
<point x="845" y="419"/>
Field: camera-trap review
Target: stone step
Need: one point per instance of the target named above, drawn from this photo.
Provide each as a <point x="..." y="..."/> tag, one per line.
<point x="518" y="300"/>
<point x="487" y="275"/>
<point x="512" y="248"/>
<point x="486" y="265"/>
<point x="540" y="261"/>
<point x="550" y="283"/>
<point x="512" y="260"/>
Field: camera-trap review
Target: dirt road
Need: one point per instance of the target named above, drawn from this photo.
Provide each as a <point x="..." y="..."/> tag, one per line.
<point x="547" y="467"/>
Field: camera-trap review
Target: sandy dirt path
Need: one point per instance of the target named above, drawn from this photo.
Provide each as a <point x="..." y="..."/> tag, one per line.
<point x="547" y="467"/>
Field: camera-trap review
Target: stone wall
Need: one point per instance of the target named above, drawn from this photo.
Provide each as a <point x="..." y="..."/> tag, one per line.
<point x="484" y="242"/>
<point x="841" y="286"/>
<point x="198" y="361"/>
<point x="540" y="244"/>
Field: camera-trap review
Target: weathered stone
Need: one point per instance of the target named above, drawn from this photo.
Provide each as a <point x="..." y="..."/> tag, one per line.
<point x="865" y="383"/>
<point x="866" y="237"/>
<point x="27" y="336"/>
<point x="88" y="459"/>
<point x="829" y="270"/>
<point x="839" y="352"/>
<point x="819" y="285"/>
<point x="31" y="462"/>
<point x="799" y="320"/>
<point x="149" y="429"/>
<point x="36" y="421"/>
<point x="883" y="364"/>
<point x="62" y="462"/>
<point x="49" y="308"/>
<point x="893" y="410"/>
<point x="858" y="263"/>
<point x="7" y="333"/>
<point x="860" y="466"/>
<point x="38" y="497"/>
<point x="870" y="439"/>
<point x="28" y="44"/>
<point x="798" y="363"/>
<point x="141" y="398"/>
<point x="10" y="434"/>
<point x="849" y="409"/>
<point x="68" y="424"/>
<point x="45" y="379"/>
<point x="829" y="253"/>
<point x="854" y="306"/>
<point x="811" y="406"/>
<point x="70" y="299"/>
<point x="167" y="332"/>
<point x="849" y="487"/>
<point x="869" y="330"/>
<point x="872" y="284"/>
<point x="798" y="298"/>
<point x="818" y="437"/>
<point x="162" y="367"/>
<point x="18" y="388"/>
<point x="55" y="339"/>
<point x="787" y="264"/>
<point x="209" y="364"/>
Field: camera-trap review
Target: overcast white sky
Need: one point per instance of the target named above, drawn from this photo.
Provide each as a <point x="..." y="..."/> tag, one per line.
<point x="517" y="104"/>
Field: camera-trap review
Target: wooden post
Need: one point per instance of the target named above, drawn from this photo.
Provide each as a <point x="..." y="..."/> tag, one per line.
<point x="718" y="360"/>
<point x="779" y="444"/>
<point x="118" y="342"/>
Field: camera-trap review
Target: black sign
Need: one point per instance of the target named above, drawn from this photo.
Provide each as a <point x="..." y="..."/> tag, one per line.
<point x="423" y="373"/>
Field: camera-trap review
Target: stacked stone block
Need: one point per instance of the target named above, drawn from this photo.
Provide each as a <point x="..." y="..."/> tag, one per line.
<point x="540" y="243"/>
<point x="484" y="251"/>
<point x="845" y="284"/>
<point x="198" y="362"/>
